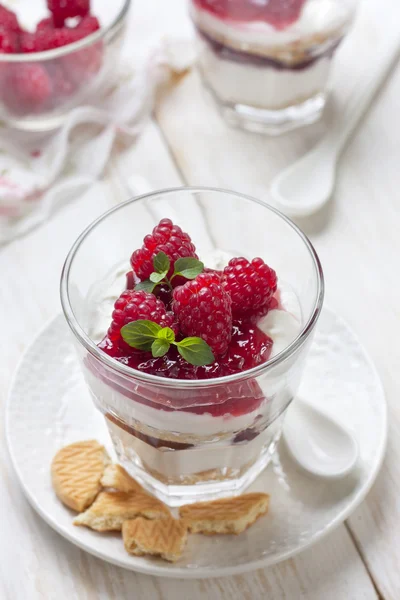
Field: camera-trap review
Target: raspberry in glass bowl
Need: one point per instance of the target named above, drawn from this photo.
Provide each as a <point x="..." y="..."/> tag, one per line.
<point x="192" y="334"/>
<point x="267" y="62"/>
<point x="56" y="56"/>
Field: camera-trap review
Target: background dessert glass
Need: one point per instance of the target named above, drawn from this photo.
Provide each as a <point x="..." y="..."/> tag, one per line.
<point x="267" y="62"/>
<point x="78" y="74"/>
<point x="197" y="439"/>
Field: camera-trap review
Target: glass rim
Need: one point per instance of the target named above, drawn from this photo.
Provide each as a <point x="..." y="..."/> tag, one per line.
<point x="107" y="33"/>
<point x="126" y="371"/>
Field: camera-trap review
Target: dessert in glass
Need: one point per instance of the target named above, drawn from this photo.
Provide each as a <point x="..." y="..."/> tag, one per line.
<point x="192" y="310"/>
<point x="57" y="55"/>
<point x="267" y="62"/>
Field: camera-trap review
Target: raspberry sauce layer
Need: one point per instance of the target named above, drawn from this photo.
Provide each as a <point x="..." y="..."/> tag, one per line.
<point x="248" y="348"/>
<point x="278" y="13"/>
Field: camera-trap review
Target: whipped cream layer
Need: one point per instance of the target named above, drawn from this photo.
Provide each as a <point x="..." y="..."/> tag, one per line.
<point x="282" y="325"/>
<point x="319" y="18"/>
<point x="262" y="87"/>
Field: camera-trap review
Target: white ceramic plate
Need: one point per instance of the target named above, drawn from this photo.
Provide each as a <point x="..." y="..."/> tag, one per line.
<point x="49" y="407"/>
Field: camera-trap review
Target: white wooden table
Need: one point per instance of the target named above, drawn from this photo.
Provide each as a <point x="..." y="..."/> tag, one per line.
<point x="357" y="238"/>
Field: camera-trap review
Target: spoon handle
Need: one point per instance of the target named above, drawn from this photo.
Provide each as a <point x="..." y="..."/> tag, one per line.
<point x="368" y="85"/>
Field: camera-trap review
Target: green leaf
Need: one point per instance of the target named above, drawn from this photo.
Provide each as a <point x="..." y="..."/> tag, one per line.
<point x="140" y="334"/>
<point x="166" y="333"/>
<point x="188" y="267"/>
<point x="159" y="347"/>
<point x="146" y="286"/>
<point x="161" y="263"/>
<point x="196" y="351"/>
<point x="157" y="277"/>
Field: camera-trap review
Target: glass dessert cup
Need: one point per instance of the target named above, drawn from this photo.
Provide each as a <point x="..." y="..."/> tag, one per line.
<point x="190" y="440"/>
<point x="267" y="63"/>
<point x="74" y="75"/>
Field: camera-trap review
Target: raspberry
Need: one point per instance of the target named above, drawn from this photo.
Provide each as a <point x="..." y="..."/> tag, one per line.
<point x="8" y="20"/>
<point x="28" y="87"/>
<point x="251" y="285"/>
<point x="83" y="64"/>
<point x="166" y="237"/>
<point x="8" y="41"/>
<point x="66" y="9"/>
<point x="88" y="25"/>
<point x="27" y="42"/>
<point x="46" y="23"/>
<point x="48" y="39"/>
<point x="63" y="87"/>
<point x="132" y="306"/>
<point x="203" y="309"/>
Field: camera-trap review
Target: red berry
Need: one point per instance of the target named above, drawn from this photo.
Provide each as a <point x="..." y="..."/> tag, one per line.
<point x="63" y="87"/>
<point x="251" y="285"/>
<point x="46" y="23"/>
<point x="49" y="39"/>
<point x="132" y="306"/>
<point x="8" y="20"/>
<point x="8" y="41"/>
<point x="88" y="25"/>
<point x="203" y="309"/>
<point x="28" y="87"/>
<point x="66" y="9"/>
<point x="81" y="65"/>
<point x="27" y="42"/>
<point x="166" y="237"/>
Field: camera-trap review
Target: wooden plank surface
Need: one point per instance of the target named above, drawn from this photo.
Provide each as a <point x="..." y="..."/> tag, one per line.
<point x="38" y="564"/>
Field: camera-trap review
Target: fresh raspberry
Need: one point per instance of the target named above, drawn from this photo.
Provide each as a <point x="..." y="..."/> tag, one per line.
<point x="166" y="237"/>
<point x="251" y="285"/>
<point x="28" y="87"/>
<point x="8" y="20"/>
<point x="132" y="306"/>
<point x="87" y="25"/>
<point x="49" y="39"/>
<point x="63" y="87"/>
<point x="66" y="9"/>
<point x="27" y="42"/>
<point x="203" y="309"/>
<point x="46" y="23"/>
<point x="81" y="65"/>
<point x="8" y="41"/>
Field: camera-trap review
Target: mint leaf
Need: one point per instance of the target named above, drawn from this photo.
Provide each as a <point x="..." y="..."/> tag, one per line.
<point x="146" y="286"/>
<point x="167" y="334"/>
<point x="159" y="347"/>
<point x="157" y="277"/>
<point x="188" y="267"/>
<point x="161" y="263"/>
<point x="140" y="334"/>
<point x="195" y="351"/>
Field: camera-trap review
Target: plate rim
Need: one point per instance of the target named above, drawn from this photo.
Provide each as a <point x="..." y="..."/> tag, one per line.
<point x="149" y="568"/>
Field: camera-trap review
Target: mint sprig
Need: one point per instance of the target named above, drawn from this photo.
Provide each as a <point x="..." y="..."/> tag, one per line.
<point x="188" y="267"/>
<point x="150" y="337"/>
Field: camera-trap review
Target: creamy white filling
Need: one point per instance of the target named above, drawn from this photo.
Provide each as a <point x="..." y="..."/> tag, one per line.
<point x="318" y="17"/>
<point x="282" y="324"/>
<point x="262" y="87"/>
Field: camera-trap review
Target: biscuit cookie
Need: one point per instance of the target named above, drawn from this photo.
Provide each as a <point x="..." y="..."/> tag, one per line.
<point x="228" y="515"/>
<point x="76" y="471"/>
<point x="160" y="537"/>
<point x="111" y="509"/>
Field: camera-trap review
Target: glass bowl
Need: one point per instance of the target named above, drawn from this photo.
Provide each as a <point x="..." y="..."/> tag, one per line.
<point x="74" y="75"/>
<point x="267" y="63"/>
<point x="188" y="440"/>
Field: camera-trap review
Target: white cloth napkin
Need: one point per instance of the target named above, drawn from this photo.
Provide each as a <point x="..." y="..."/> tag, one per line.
<point x="41" y="172"/>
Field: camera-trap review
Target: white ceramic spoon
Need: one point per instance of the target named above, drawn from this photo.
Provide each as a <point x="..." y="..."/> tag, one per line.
<point x="317" y="442"/>
<point x="305" y="186"/>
